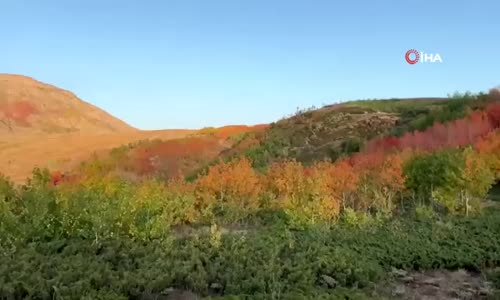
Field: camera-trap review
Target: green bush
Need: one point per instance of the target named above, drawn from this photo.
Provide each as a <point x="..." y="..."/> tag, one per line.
<point x="436" y="176"/>
<point x="256" y="264"/>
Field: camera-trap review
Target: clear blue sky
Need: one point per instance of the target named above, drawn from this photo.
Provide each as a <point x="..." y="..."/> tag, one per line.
<point x="189" y="64"/>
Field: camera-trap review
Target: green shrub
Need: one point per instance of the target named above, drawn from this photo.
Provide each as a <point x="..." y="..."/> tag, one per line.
<point x="436" y="176"/>
<point x="257" y="264"/>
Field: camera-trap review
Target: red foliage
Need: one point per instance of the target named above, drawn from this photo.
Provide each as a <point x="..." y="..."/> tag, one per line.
<point x="457" y="133"/>
<point x="174" y="155"/>
<point x="182" y="155"/>
<point x="55" y="178"/>
<point x="366" y="160"/>
<point x="19" y="112"/>
<point x="344" y="177"/>
<point x="58" y="178"/>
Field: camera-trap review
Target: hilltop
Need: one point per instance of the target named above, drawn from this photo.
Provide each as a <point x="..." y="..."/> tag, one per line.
<point x="339" y="130"/>
<point x="45" y="126"/>
<point x="28" y="106"/>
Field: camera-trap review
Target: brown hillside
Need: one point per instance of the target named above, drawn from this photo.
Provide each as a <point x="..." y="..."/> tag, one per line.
<point x="28" y="106"/>
<point x="44" y="126"/>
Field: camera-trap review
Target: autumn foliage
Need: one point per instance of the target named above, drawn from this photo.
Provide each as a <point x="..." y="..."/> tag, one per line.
<point x="457" y="133"/>
<point x="449" y="167"/>
<point x="229" y="188"/>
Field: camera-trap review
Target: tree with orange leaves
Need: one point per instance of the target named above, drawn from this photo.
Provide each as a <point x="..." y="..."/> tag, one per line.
<point x="285" y="180"/>
<point x="230" y="189"/>
<point x="343" y="181"/>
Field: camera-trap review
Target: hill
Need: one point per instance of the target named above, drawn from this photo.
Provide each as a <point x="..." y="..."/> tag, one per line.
<point x="308" y="136"/>
<point x="403" y="212"/>
<point x="169" y="158"/>
<point x="44" y="126"/>
<point x="339" y="130"/>
<point x="28" y="106"/>
<point x="407" y="217"/>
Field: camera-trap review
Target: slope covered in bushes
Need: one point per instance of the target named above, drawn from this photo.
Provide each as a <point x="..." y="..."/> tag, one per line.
<point x="292" y="229"/>
<point x="336" y="131"/>
<point x="332" y="132"/>
<point x="117" y="241"/>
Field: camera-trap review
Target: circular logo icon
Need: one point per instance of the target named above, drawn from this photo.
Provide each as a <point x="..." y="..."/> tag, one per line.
<point x="408" y="56"/>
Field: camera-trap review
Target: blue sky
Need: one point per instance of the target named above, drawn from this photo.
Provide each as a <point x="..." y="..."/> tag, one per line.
<point x="189" y="64"/>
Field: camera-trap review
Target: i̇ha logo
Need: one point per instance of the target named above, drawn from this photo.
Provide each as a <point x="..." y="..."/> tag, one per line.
<point x="413" y="56"/>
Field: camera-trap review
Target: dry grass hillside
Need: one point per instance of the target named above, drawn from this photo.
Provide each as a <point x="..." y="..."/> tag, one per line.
<point x="30" y="107"/>
<point x="42" y="125"/>
<point x="20" y="155"/>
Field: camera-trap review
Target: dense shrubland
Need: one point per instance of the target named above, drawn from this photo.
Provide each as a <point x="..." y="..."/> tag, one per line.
<point x="272" y="263"/>
<point x="287" y="230"/>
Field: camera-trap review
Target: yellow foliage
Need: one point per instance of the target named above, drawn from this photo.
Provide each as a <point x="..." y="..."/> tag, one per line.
<point x="307" y="194"/>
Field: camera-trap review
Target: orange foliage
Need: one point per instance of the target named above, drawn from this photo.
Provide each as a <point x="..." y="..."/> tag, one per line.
<point x="345" y="177"/>
<point x="286" y="179"/>
<point x="380" y="178"/>
<point x="323" y="187"/>
<point x="341" y="181"/>
<point x="227" y="131"/>
<point x="391" y="173"/>
<point x="489" y="147"/>
<point x="490" y="144"/>
<point x="234" y="184"/>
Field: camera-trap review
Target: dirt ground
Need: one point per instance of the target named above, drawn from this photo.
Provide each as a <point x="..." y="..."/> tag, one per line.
<point x="439" y="285"/>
